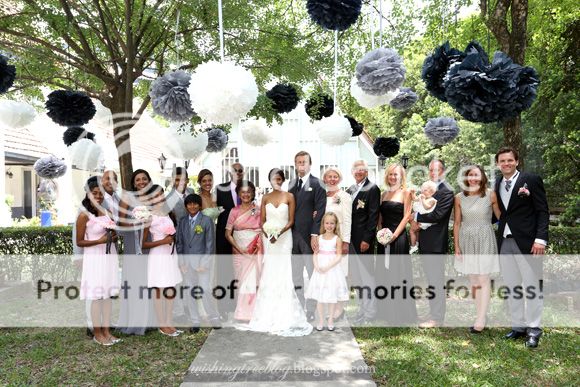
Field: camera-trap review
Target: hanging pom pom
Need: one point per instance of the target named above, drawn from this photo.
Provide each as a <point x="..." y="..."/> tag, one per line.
<point x="318" y="106"/>
<point x="85" y="154"/>
<point x="334" y="14"/>
<point x="334" y="130"/>
<point x="217" y="140"/>
<point x="255" y="132"/>
<point x="386" y="146"/>
<point x="222" y="93"/>
<point x="169" y="96"/>
<point x="370" y="101"/>
<point x="75" y="133"/>
<point x="357" y="127"/>
<point x="48" y="190"/>
<point x="70" y="108"/>
<point x="182" y="143"/>
<point x="284" y="98"/>
<point x="50" y="167"/>
<point x="404" y="100"/>
<point x="7" y="74"/>
<point x="441" y="130"/>
<point x="380" y="71"/>
<point x="483" y="92"/>
<point x="16" y="114"/>
<point x="435" y="68"/>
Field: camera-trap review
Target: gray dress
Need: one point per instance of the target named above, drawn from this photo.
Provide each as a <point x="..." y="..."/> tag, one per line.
<point x="476" y="236"/>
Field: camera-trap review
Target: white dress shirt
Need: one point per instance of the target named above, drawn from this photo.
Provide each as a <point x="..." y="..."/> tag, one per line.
<point x="358" y="188"/>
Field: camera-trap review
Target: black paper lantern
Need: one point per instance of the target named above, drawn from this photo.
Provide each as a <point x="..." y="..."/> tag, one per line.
<point x="318" y="106"/>
<point x="435" y="68"/>
<point x="334" y="14"/>
<point x="7" y="74"/>
<point x="357" y="127"/>
<point x="284" y="98"/>
<point x="70" y="108"/>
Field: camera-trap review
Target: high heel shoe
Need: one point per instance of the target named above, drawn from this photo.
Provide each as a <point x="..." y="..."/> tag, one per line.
<point x="174" y="334"/>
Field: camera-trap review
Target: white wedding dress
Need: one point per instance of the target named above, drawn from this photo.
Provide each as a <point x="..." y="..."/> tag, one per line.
<point x="278" y="310"/>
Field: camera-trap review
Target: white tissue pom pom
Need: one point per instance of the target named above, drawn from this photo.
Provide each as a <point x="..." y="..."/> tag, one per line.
<point x="370" y="101"/>
<point x="334" y="130"/>
<point x="222" y="93"/>
<point x="183" y="144"/>
<point x="255" y="132"/>
<point x="85" y="154"/>
<point x="16" y="114"/>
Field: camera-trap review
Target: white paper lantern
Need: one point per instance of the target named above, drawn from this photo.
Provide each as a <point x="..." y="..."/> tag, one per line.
<point x="256" y="132"/>
<point x="334" y="130"/>
<point x="16" y="114"/>
<point x="85" y="154"/>
<point x="370" y="101"/>
<point x="182" y="144"/>
<point x="222" y="93"/>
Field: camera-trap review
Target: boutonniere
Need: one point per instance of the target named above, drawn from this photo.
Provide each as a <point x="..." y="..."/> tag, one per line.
<point x="336" y="199"/>
<point x="253" y="211"/>
<point x="524" y="191"/>
<point x="360" y="204"/>
<point x="198" y="229"/>
<point x="309" y="189"/>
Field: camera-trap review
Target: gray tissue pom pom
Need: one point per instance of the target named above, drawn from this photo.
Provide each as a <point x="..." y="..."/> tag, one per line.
<point x="50" y="167"/>
<point x="170" y="98"/>
<point x="404" y="100"/>
<point x="217" y="140"/>
<point x="441" y="130"/>
<point x="380" y="71"/>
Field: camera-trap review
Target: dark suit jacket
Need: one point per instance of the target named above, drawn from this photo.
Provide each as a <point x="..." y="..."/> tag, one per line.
<point x="435" y="239"/>
<point x="528" y="216"/>
<point x="310" y="199"/>
<point x="225" y="200"/>
<point x="365" y="215"/>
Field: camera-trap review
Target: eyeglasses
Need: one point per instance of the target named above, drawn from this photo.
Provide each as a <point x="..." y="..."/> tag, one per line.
<point x="241" y="170"/>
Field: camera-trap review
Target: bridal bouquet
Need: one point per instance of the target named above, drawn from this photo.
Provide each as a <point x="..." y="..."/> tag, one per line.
<point x="384" y="236"/>
<point x="272" y="230"/>
<point x="141" y="213"/>
<point x="213" y="212"/>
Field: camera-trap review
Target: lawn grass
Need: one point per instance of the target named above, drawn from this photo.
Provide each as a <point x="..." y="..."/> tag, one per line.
<point x="454" y="357"/>
<point x="65" y="356"/>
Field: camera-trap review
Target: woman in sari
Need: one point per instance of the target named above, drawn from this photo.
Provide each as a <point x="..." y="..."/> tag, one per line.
<point x="243" y="231"/>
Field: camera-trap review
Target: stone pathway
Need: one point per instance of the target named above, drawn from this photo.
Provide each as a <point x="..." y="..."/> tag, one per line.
<point x="240" y="358"/>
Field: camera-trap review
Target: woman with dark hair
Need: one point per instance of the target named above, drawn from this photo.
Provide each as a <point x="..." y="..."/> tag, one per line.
<point x="243" y="231"/>
<point x="99" y="281"/>
<point x="136" y="313"/>
<point x="474" y="238"/>
<point x="208" y="195"/>
<point x="162" y="267"/>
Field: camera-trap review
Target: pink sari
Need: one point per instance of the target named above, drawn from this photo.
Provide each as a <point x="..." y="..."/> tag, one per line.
<point x="247" y="234"/>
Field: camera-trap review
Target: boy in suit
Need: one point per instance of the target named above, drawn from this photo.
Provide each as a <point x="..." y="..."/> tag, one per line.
<point x="195" y="246"/>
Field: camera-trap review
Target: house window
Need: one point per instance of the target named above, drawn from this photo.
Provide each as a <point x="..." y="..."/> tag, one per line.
<point x="252" y="174"/>
<point x="232" y="157"/>
<point x="325" y="167"/>
<point x="289" y="171"/>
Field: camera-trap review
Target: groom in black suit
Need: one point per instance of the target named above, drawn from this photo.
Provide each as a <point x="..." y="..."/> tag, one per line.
<point x="522" y="240"/>
<point x="433" y="243"/>
<point x="310" y="199"/>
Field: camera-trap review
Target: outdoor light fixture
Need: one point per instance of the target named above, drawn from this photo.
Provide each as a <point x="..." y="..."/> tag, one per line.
<point x="162" y="159"/>
<point x="10" y="174"/>
<point x="405" y="160"/>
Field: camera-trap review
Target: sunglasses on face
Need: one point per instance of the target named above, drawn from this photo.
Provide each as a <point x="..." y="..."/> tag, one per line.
<point x="241" y="170"/>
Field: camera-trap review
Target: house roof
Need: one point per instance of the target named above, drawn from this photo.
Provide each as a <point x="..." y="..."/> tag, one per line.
<point x="21" y="147"/>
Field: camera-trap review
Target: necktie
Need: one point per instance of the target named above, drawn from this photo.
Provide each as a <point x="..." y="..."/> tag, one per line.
<point x="508" y="184"/>
<point x="191" y="222"/>
<point x="299" y="184"/>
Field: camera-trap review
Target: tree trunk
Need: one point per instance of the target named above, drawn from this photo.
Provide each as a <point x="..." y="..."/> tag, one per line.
<point x="122" y="123"/>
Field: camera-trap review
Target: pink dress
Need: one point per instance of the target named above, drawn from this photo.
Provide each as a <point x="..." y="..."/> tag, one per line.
<point x="162" y="266"/>
<point x="100" y="277"/>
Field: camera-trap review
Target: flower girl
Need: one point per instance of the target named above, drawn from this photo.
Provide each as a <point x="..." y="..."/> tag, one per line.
<point x="327" y="284"/>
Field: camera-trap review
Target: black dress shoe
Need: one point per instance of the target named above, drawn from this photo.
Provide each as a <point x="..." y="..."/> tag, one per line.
<point x="194" y="329"/>
<point x="532" y="341"/>
<point x="310" y="316"/>
<point x="90" y="333"/>
<point x="515" y="335"/>
<point x="475" y="331"/>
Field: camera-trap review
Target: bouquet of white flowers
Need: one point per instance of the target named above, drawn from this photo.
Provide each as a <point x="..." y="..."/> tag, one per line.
<point x="272" y="230"/>
<point x="141" y="213"/>
<point x="384" y="236"/>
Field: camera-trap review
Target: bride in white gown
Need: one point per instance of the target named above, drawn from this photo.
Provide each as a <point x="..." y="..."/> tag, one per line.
<point x="277" y="309"/>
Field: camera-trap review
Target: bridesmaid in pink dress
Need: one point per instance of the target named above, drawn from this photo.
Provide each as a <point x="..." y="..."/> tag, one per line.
<point x="163" y="272"/>
<point x="100" y="277"/>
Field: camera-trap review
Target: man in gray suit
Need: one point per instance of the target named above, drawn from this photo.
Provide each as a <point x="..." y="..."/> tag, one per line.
<point x="177" y="195"/>
<point x="195" y="246"/>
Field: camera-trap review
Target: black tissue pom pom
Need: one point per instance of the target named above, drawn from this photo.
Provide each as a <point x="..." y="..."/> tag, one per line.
<point x="484" y="92"/>
<point x="217" y="140"/>
<point x="7" y="74"/>
<point x="70" y="108"/>
<point x="334" y="14"/>
<point x="404" y="100"/>
<point x="284" y="98"/>
<point x="75" y="133"/>
<point x="386" y="146"/>
<point x="436" y="66"/>
<point x="318" y="106"/>
<point x="357" y="127"/>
